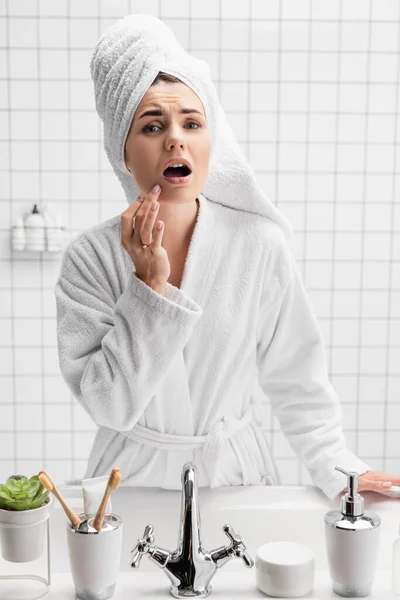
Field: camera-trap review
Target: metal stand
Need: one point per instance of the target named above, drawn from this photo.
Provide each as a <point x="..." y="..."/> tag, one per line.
<point x="18" y="591"/>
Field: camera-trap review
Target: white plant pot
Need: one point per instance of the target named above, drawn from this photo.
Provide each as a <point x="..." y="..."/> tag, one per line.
<point x="22" y="533"/>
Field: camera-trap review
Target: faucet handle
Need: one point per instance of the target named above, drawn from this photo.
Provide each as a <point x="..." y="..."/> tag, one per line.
<point x="238" y="547"/>
<point x="142" y="546"/>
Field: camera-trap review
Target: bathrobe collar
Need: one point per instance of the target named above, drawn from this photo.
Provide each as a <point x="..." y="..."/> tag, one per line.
<point x="197" y="268"/>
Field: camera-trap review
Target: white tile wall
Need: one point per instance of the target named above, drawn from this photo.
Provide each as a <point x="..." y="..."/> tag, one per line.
<point x="312" y="93"/>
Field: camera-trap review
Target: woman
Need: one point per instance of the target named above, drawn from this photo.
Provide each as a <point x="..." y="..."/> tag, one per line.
<point x="167" y="313"/>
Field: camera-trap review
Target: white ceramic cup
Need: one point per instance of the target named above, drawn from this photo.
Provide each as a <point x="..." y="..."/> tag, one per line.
<point x="95" y="558"/>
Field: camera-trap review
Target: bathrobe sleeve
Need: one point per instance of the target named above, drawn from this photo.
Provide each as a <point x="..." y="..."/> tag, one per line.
<point x="114" y="352"/>
<point x="293" y="374"/>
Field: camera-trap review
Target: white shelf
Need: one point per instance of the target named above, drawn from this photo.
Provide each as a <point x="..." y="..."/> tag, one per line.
<point x="63" y="231"/>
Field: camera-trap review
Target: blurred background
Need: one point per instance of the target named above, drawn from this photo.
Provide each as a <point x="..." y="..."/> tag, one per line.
<point x="311" y="89"/>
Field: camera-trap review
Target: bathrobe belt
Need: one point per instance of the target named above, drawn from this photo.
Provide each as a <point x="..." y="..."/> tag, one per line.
<point x="211" y="443"/>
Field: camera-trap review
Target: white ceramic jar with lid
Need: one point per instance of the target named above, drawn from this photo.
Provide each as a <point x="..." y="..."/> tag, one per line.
<point x="285" y="569"/>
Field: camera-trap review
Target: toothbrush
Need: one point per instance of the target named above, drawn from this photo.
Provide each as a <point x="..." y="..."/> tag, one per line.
<point x="112" y="484"/>
<point x="49" y="485"/>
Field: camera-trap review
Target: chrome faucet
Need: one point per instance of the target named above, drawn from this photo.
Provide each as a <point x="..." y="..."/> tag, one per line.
<point x="190" y="568"/>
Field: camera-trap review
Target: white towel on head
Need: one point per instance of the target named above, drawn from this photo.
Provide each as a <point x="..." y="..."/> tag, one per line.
<point x="125" y="62"/>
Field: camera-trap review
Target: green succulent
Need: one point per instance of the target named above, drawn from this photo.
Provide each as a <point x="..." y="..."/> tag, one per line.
<point x="21" y="493"/>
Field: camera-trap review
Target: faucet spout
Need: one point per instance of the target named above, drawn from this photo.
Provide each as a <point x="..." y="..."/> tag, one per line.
<point x="189" y="542"/>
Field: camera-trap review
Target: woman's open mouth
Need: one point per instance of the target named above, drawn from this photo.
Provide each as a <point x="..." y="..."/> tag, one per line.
<point x="178" y="174"/>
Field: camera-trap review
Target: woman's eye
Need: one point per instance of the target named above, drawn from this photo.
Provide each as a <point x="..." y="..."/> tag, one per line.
<point x="146" y="128"/>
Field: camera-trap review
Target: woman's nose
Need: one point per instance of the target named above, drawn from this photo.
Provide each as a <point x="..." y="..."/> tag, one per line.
<point x="175" y="138"/>
<point x="176" y="145"/>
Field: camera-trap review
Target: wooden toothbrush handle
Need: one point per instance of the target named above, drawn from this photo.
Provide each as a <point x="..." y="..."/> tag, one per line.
<point x="71" y="514"/>
<point x="49" y="485"/>
<point x="98" y="520"/>
<point x="112" y="484"/>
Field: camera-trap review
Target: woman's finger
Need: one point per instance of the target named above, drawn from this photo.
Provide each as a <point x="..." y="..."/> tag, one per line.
<point x="375" y="486"/>
<point x="127" y="221"/>
<point x="377" y="481"/>
<point x="142" y="215"/>
<point x="158" y="233"/>
<point x="148" y="224"/>
<point x="382" y="476"/>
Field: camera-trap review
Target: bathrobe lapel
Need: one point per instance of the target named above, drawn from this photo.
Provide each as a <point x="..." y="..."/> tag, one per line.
<point x="197" y="270"/>
<point x="171" y="410"/>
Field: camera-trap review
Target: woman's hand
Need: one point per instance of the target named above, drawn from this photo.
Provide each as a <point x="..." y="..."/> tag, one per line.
<point x="376" y="481"/>
<point x="137" y="228"/>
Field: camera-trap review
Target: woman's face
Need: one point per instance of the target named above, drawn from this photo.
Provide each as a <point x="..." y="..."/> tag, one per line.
<point x="155" y="139"/>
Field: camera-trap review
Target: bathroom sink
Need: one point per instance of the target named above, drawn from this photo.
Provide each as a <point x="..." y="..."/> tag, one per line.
<point x="258" y="514"/>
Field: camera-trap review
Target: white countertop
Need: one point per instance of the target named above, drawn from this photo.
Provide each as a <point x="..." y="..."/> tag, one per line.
<point x="232" y="586"/>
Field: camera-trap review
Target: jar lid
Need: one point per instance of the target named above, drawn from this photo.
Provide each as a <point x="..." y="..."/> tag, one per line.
<point x="276" y="556"/>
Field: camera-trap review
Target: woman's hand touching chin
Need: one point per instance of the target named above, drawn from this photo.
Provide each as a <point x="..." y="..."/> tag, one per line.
<point x="376" y="481"/>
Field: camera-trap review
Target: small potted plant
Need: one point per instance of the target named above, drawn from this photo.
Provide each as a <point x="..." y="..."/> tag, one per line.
<point x="23" y="514"/>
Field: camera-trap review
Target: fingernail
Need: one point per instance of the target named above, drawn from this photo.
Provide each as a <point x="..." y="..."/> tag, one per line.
<point x="156" y="189"/>
<point x="387" y="484"/>
<point x="154" y="206"/>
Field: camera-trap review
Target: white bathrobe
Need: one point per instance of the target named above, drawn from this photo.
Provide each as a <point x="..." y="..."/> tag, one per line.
<point x="170" y="379"/>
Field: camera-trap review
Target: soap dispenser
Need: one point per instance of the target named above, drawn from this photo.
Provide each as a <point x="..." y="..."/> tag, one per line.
<point x="352" y="543"/>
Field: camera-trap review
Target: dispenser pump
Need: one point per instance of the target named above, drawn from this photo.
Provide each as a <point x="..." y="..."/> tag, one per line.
<point x="352" y="501"/>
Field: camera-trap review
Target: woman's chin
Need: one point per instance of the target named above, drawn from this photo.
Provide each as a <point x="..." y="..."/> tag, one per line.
<point x="181" y="194"/>
<point x="176" y="189"/>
